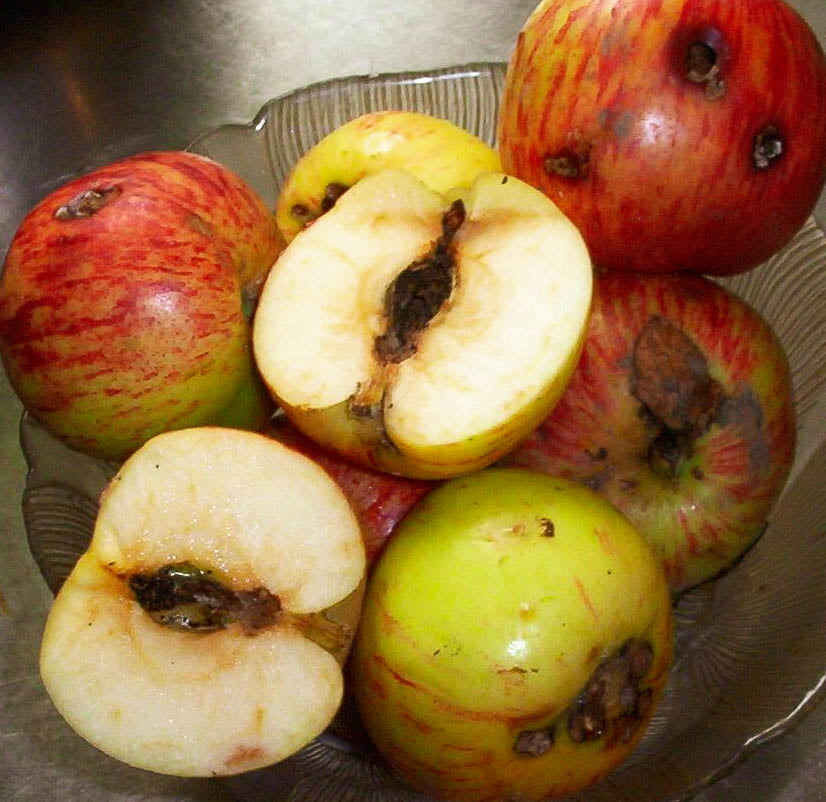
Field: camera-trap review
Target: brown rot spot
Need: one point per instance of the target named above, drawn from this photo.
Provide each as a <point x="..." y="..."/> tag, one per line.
<point x="534" y="743"/>
<point x="417" y="294"/>
<point x="184" y="597"/>
<point x="768" y="147"/>
<point x="613" y="703"/>
<point x="87" y="203"/>
<point x="546" y="527"/>
<point x="670" y="377"/>
<point x="701" y="67"/>
<point x="332" y="192"/>
<point x="568" y="163"/>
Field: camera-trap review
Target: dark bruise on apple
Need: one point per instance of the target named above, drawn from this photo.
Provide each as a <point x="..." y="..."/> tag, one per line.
<point x="681" y="413"/>
<point x="445" y="326"/>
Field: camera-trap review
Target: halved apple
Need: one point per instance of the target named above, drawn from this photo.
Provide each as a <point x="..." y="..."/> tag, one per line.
<point x="435" y="150"/>
<point x="203" y="631"/>
<point x="425" y="334"/>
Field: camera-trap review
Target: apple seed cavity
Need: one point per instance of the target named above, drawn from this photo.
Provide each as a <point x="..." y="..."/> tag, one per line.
<point x="768" y="147"/>
<point x="670" y="377"/>
<point x="186" y="598"/>
<point x="612" y="705"/>
<point x="87" y="203"/>
<point x="701" y="68"/>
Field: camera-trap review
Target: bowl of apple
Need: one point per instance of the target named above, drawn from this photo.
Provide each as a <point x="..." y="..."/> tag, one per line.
<point x="491" y="466"/>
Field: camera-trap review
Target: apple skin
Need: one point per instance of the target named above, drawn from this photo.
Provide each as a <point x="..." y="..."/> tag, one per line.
<point x="436" y="151"/>
<point x="701" y="516"/>
<point x="380" y="500"/>
<point x="656" y="175"/>
<point x="479" y="624"/>
<point x="121" y="322"/>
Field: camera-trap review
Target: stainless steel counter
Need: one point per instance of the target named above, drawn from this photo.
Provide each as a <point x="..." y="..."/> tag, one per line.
<point x="86" y="82"/>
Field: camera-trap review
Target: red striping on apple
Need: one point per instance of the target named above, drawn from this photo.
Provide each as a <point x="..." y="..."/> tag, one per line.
<point x="681" y="413"/>
<point x="677" y="134"/>
<point x="125" y="301"/>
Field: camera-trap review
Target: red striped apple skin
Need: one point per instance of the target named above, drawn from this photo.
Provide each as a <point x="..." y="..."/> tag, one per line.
<point x="128" y="315"/>
<point x="700" y="517"/>
<point x="598" y="113"/>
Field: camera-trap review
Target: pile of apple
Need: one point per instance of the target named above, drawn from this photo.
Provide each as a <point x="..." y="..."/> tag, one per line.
<point x="477" y="413"/>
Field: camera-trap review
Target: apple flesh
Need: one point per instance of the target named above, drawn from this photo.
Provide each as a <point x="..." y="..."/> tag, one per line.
<point x="379" y="500"/>
<point x="125" y="302"/>
<point x="436" y="151"/>
<point x="424" y="335"/>
<point x="515" y="638"/>
<point x="680" y="413"/>
<point x="203" y="631"/>
<point x="682" y="134"/>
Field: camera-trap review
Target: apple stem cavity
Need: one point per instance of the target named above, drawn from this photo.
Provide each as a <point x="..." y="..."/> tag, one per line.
<point x="701" y="68"/>
<point x="87" y="203"/>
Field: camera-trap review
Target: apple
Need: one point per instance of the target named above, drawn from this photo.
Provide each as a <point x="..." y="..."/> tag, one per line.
<point x="422" y="334"/>
<point x="203" y="631"/>
<point x="676" y="134"/>
<point x="515" y="639"/>
<point x="680" y="413"/>
<point x="125" y="302"/>
<point x="435" y="150"/>
<point x="379" y="500"/>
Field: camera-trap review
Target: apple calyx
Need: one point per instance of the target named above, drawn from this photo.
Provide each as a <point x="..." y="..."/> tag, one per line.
<point x="701" y="67"/>
<point x="187" y="598"/>
<point x="613" y="703"/>
<point x="671" y="379"/>
<point x="87" y="203"/>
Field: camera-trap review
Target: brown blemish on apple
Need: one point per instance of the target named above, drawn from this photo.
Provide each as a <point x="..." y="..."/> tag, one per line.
<point x="87" y="203"/>
<point x="585" y="598"/>
<point x="572" y="161"/>
<point x="242" y="755"/>
<point x="546" y="527"/>
<point x="701" y="67"/>
<point x="534" y="743"/>
<point x="768" y="147"/>
<point x="671" y="378"/>
<point x="332" y="192"/>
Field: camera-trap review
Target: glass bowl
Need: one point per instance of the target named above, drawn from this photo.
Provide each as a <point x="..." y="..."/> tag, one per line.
<point x="750" y="647"/>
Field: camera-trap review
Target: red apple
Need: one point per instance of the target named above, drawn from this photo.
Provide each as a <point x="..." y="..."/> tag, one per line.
<point x="685" y="134"/>
<point x="379" y="500"/>
<point x="125" y="302"/>
<point x="680" y="412"/>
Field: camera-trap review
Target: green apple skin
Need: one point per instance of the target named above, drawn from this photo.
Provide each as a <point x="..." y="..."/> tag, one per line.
<point x="490" y="608"/>
<point x="436" y="151"/>
<point x="127" y="313"/>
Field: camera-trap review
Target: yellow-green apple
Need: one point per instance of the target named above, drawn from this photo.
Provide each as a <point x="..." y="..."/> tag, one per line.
<point x="425" y="334"/>
<point x="125" y="302"/>
<point x="687" y="134"/>
<point x="435" y="150"/>
<point x="515" y="638"/>
<point x="203" y="631"/>
<point x="380" y="500"/>
<point x="681" y="413"/>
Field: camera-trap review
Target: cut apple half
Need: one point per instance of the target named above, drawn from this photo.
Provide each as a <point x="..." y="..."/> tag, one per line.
<point x="425" y="334"/>
<point x="203" y="631"/>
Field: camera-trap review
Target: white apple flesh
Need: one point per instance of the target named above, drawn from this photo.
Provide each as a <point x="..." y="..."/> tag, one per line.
<point x="425" y="334"/>
<point x="186" y="688"/>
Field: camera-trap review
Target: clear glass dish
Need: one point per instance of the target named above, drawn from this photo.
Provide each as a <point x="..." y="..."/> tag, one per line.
<point x="751" y="647"/>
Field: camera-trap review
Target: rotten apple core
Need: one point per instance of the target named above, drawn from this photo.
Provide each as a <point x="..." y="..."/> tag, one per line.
<point x="612" y="705"/>
<point x="183" y="597"/>
<point x="417" y="294"/>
